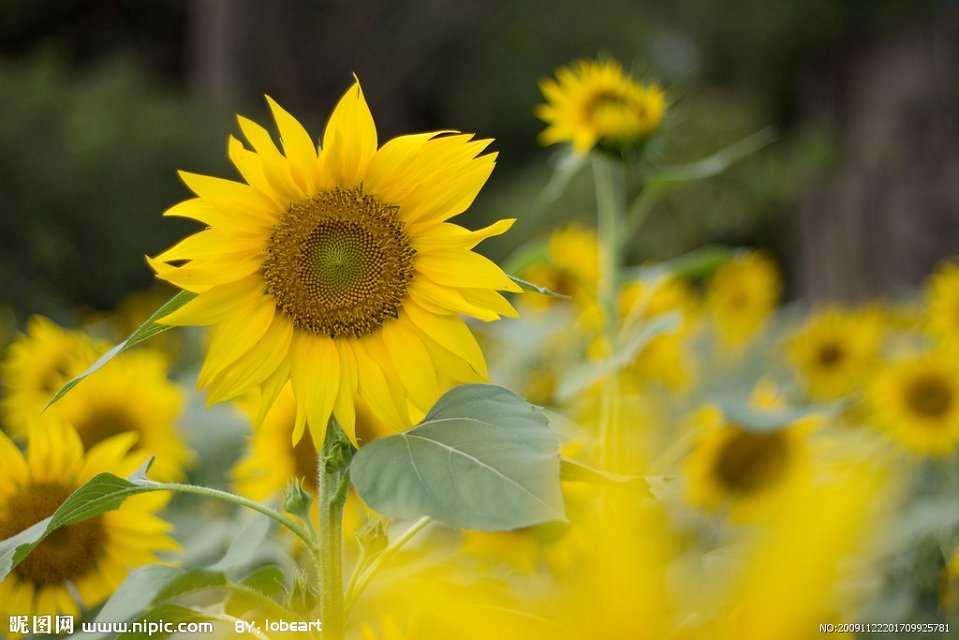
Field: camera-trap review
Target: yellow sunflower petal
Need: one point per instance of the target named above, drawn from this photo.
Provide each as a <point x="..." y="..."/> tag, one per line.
<point x="446" y="236"/>
<point x="215" y="304"/>
<point x="349" y="142"/>
<point x="315" y="374"/>
<point x="234" y="337"/>
<point x="450" y="332"/>
<point x="406" y="351"/>
<point x="299" y="147"/>
<point x="257" y="365"/>
<point x="464" y="269"/>
<point x="344" y="409"/>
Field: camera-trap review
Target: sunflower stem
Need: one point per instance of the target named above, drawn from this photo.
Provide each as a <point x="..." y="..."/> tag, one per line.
<point x="333" y="479"/>
<point x="610" y="181"/>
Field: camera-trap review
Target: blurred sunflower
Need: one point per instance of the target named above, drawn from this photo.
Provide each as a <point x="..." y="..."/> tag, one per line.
<point x="741" y="295"/>
<point x="742" y="470"/>
<point x="834" y="350"/>
<point x="335" y="268"/>
<point x="916" y="402"/>
<point x="570" y="267"/>
<point x="594" y="103"/>
<point x="665" y="358"/>
<point x="90" y="558"/>
<point x="942" y="294"/>
<point x="131" y="393"/>
<point x="37" y="365"/>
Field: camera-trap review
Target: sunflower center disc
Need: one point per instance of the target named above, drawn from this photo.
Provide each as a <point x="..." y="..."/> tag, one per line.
<point x="339" y="263"/>
<point x="751" y="461"/>
<point x="66" y="554"/>
<point x="929" y="397"/>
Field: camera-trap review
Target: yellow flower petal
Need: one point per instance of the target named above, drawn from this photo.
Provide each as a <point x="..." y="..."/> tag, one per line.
<point x="349" y="142"/>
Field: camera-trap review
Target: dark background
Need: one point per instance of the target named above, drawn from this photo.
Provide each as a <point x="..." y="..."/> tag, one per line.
<point x="102" y="101"/>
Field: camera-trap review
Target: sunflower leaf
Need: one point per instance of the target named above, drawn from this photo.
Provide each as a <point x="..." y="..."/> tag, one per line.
<point x="147" y="330"/>
<point x="483" y="458"/>
<point x="571" y="471"/>
<point x="713" y="165"/>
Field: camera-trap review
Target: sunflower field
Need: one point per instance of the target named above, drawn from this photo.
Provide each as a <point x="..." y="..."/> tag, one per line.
<point x="337" y="413"/>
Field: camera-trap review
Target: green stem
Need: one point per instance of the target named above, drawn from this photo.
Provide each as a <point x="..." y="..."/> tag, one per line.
<point x="332" y="484"/>
<point x="359" y="580"/>
<point x="609" y="177"/>
<point x="232" y="498"/>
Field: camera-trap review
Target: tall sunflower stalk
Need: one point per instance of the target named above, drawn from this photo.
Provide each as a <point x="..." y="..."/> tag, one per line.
<point x="602" y="111"/>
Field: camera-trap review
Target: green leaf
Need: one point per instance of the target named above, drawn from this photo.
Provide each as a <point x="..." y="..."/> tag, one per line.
<point x="190" y="581"/>
<point x="104" y="492"/>
<point x="269" y="580"/>
<point x="569" y="164"/>
<point x="146" y="331"/>
<point x="483" y="458"/>
<point x="694" y="265"/>
<point x="246" y="544"/>
<point x="570" y="471"/>
<point x="535" y="288"/>
<point x="710" y="166"/>
<point x="134" y="595"/>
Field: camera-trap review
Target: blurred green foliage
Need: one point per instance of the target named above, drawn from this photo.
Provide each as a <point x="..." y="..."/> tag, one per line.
<point x="102" y="103"/>
<point x="88" y="162"/>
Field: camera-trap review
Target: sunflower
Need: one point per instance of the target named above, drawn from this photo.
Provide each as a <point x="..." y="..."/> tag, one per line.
<point x="741" y="295"/>
<point x="90" y="558"/>
<point x="130" y="393"/>
<point x="570" y="266"/>
<point x="595" y="103"/>
<point x="665" y="358"/>
<point x="833" y="351"/>
<point x="916" y="402"/>
<point x="942" y="295"/>
<point x="335" y="268"/>
<point x="37" y="364"/>
<point x="739" y="469"/>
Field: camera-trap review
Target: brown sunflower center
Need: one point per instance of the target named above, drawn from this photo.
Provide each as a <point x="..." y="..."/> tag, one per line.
<point x="830" y="354"/>
<point x="69" y="552"/>
<point x="750" y="461"/>
<point x="56" y="373"/>
<point x="102" y="423"/>
<point x="930" y="396"/>
<point x="339" y="263"/>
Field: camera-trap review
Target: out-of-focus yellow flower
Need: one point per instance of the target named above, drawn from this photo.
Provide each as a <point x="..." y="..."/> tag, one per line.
<point x="90" y="558"/>
<point x="337" y="269"/>
<point x="741" y="295"/>
<point x="801" y="571"/>
<point x="570" y="266"/>
<point x="594" y="103"/>
<point x="743" y="471"/>
<point x="942" y="293"/>
<point x="666" y="358"/>
<point x="37" y="365"/>
<point x="130" y="393"/>
<point x="834" y="350"/>
<point x="916" y="402"/>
